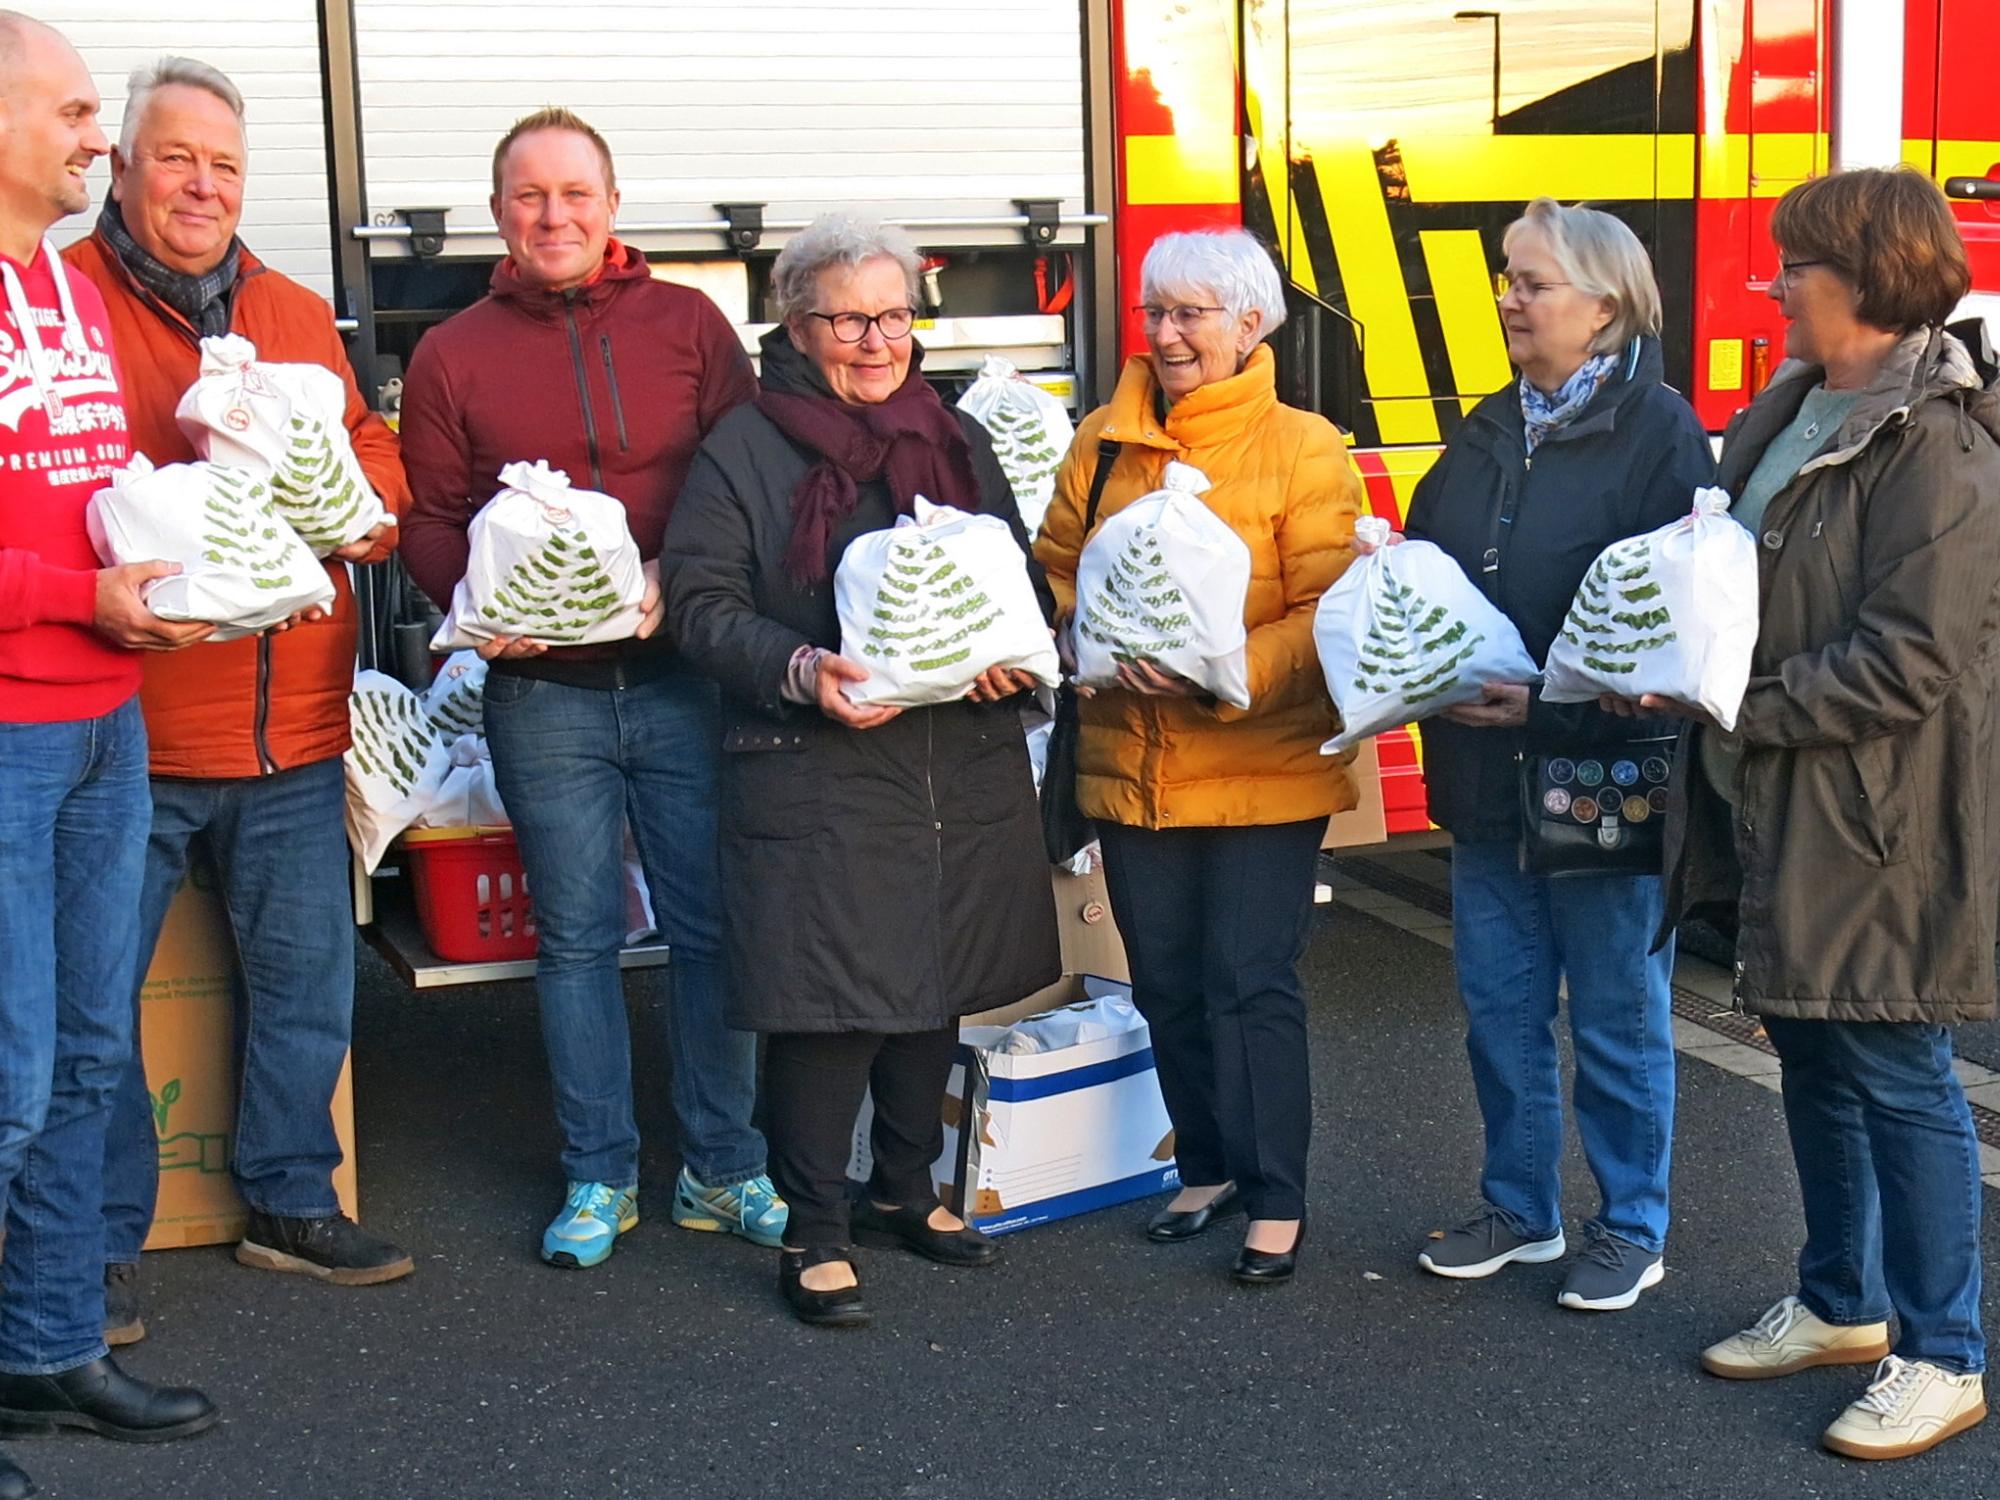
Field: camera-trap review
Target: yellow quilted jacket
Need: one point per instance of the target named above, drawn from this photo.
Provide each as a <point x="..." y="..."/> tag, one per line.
<point x="1282" y="480"/>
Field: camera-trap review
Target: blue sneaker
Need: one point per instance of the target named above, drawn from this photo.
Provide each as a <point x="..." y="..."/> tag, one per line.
<point x="752" y="1209"/>
<point x="587" y="1229"/>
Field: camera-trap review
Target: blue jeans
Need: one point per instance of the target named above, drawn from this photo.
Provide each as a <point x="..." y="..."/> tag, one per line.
<point x="573" y="765"/>
<point x="1518" y="939"/>
<point x="280" y="855"/>
<point x="1889" y="1170"/>
<point x="73" y="809"/>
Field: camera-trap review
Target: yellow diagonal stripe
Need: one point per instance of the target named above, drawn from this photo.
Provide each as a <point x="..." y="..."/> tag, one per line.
<point x="1467" y="311"/>
<point x="1365" y="249"/>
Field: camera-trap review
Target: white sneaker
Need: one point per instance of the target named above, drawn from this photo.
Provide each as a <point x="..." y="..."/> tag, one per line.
<point x="1911" y="1405"/>
<point x="1789" y="1338"/>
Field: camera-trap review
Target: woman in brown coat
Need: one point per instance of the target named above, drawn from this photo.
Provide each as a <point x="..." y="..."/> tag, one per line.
<point x="1849" y="823"/>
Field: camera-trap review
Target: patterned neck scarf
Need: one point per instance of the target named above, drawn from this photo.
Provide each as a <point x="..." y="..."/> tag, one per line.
<point x="203" y="300"/>
<point x="1544" y="414"/>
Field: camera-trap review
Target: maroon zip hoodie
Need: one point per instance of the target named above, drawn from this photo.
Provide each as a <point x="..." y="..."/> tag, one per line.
<point x="615" y="382"/>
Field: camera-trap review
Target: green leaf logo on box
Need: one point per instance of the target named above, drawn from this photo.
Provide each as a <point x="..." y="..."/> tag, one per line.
<point x="1413" y="647"/>
<point x="187" y="1150"/>
<point x="928" y="610"/>
<point x="1617" y="614"/>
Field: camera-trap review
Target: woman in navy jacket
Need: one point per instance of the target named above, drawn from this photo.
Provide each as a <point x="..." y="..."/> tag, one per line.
<point x="1590" y="447"/>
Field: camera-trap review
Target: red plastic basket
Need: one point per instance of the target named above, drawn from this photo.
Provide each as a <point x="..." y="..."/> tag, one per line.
<point x="472" y="894"/>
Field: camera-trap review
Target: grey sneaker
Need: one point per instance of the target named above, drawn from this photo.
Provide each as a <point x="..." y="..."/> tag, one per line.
<point x="1482" y="1245"/>
<point x="1610" y="1273"/>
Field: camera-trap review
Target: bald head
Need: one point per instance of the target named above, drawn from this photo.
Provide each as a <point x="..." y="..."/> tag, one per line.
<point x="48" y="131"/>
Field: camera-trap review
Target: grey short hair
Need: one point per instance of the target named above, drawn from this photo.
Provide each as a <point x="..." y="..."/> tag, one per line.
<point x="1600" y="256"/>
<point x="846" y="240"/>
<point x="189" y="72"/>
<point x="1230" y="265"/>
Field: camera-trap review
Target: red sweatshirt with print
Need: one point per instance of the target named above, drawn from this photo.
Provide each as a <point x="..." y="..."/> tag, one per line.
<point x="53" y="666"/>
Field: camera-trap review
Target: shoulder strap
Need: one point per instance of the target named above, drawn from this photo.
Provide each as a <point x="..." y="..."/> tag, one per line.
<point x="1499" y="531"/>
<point x="1107" y="457"/>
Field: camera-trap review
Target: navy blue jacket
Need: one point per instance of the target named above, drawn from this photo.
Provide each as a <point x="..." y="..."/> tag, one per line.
<point x="1628" y="463"/>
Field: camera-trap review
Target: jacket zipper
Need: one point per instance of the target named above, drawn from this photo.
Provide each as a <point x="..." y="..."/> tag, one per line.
<point x="937" y="844"/>
<point x="611" y="379"/>
<point x="583" y="390"/>
<point x="264" y="757"/>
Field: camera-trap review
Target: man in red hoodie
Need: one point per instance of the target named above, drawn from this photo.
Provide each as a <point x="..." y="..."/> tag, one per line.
<point x="73" y="797"/>
<point x="246" y="736"/>
<point x="578" y="356"/>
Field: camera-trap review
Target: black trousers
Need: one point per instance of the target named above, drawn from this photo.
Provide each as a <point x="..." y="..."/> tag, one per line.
<point x="1215" y="921"/>
<point x="814" y="1083"/>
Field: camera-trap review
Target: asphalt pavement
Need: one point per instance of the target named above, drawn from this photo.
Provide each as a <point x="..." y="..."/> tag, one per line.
<point x="1089" y="1364"/>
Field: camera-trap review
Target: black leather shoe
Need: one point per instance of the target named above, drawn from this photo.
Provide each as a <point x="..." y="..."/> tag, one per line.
<point x="1168" y="1227"/>
<point x="1269" y="1267"/>
<point x="336" y="1250"/>
<point x="14" y="1481"/>
<point x="839" y="1309"/>
<point x="911" y="1229"/>
<point x="101" y="1398"/>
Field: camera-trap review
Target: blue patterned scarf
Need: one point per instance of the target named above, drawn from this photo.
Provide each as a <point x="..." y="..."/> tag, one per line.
<point x="203" y="300"/>
<point x="1544" y="414"/>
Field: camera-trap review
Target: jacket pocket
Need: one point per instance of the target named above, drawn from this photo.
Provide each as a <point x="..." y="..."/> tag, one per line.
<point x="772" y="783"/>
<point x="1876" y="813"/>
<point x="611" y="380"/>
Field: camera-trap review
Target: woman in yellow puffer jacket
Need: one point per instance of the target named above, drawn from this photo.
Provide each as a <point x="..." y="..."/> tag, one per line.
<point x="1211" y="816"/>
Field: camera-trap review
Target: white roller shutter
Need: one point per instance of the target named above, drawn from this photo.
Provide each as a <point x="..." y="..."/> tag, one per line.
<point x="270" y="50"/>
<point x="909" y="108"/>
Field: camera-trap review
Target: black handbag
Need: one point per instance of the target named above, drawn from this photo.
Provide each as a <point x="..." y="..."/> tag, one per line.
<point x="1064" y="827"/>
<point x="1595" y="807"/>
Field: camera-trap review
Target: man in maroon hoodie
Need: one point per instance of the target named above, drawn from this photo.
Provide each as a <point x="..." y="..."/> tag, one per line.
<point x="578" y="356"/>
<point x="74" y="805"/>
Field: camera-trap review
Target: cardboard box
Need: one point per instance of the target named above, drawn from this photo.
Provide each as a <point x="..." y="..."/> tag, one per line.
<point x="188" y="1028"/>
<point x="1367" y="821"/>
<point x="1051" y="1134"/>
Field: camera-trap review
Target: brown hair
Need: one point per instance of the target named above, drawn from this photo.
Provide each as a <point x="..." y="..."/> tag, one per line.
<point x="1890" y="231"/>
<point x="555" y="117"/>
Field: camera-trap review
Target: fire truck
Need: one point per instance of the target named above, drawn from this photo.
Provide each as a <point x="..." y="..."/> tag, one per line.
<point x="1036" y="149"/>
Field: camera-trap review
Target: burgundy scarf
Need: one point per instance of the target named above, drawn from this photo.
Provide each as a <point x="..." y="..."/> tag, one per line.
<point x="912" y="437"/>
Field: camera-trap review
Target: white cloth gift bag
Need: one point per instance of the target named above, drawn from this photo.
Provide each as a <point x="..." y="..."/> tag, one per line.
<point x="1165" y="580"/>
<point x="456" y="698"/>
<point x="1404" y="634"/>
<point x="395" y="766"/>
<point x="1031" y="432"/>
<point x="934" y="601"/>
<point x="548" y="562"/>
<point x="467" y="797"/>
<point x="1672" y="612"/>
<point x="242" y="568"/>
<point x="288" y="424"/>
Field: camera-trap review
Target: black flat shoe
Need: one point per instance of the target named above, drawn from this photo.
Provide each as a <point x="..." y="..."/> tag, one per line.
<point x="911" y="1229"/>
<point x="14" y="1481"/>
<point x="1269" y="1267"/>
<point x="837" y="1309"/>
<point x="101" y="1398"/>
<point x="1167" y="1227"/>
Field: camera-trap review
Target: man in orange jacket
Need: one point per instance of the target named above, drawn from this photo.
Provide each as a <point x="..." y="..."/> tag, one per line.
<point x="246" y="736"/>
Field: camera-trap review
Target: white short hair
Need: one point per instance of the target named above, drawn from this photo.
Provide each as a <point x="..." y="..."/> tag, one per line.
<point x="189" y="72"/>
<point x="1600" y="256"/>
<point x="846" y="240"/>
<point x="1230" y="265"/>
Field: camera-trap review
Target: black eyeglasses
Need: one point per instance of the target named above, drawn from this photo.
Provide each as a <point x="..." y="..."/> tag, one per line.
<point x="852" y="327"/>
<point x="1787" y="267"/>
